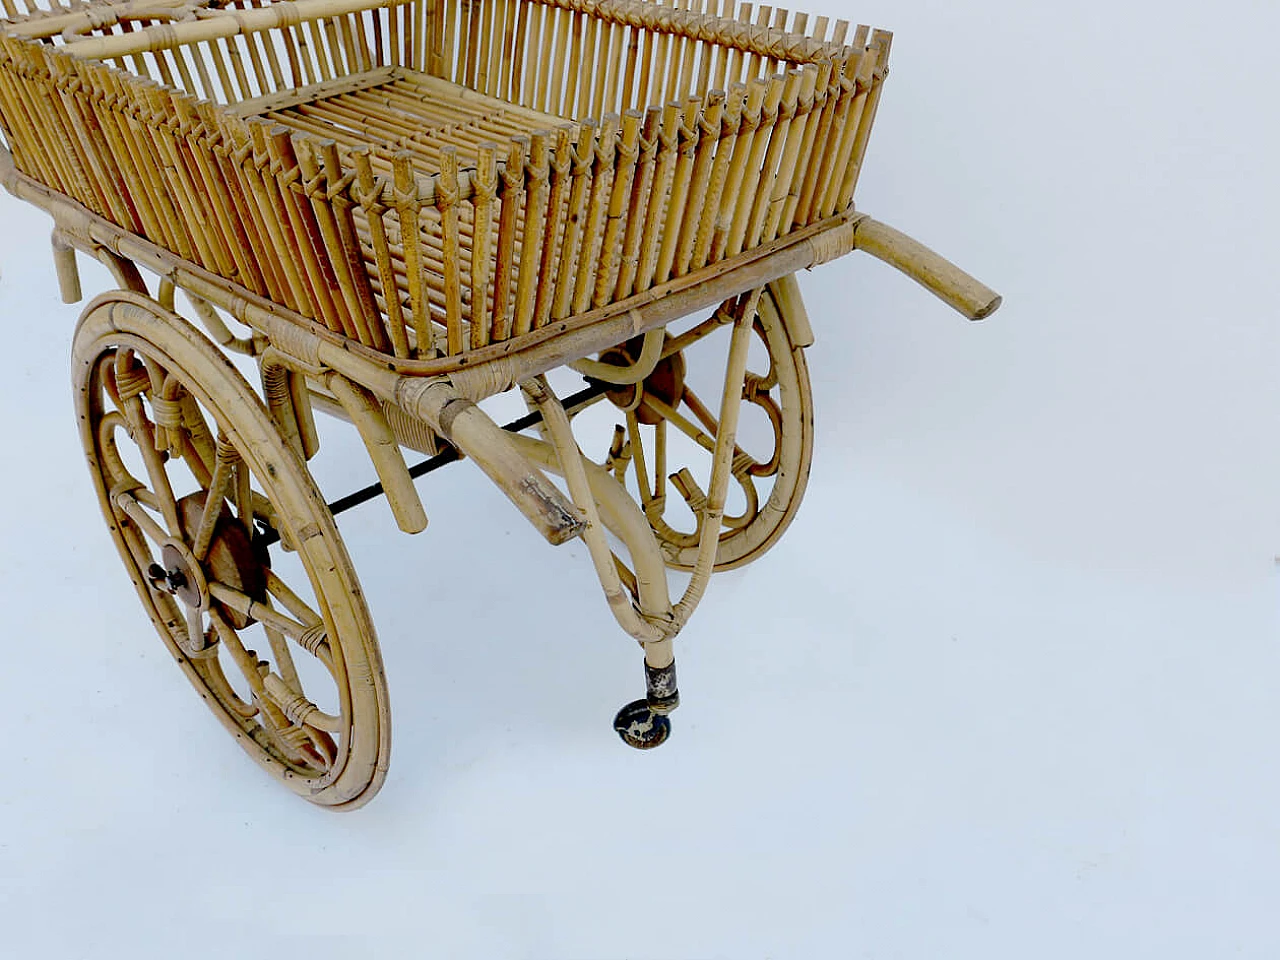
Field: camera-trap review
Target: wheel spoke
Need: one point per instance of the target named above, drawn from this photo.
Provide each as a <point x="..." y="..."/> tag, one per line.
<point x="128" y="502"/>
<point x="246" y="662"/>
<point x="292" y="602"/>
<point x="213" y="501"/>
<point x="195" y="629"/>
<point x="244" y="604"/>
<point x="244" y="496"/>
<point x="284" y="658"/>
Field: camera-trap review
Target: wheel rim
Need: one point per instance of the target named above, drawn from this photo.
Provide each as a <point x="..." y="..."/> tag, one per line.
<point x="280" y="646"/>
<point x="771" y="467"/>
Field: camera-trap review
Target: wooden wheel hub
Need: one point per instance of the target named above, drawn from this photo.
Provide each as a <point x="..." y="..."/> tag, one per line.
<point x="230" y="559"/>
<point x="178" y="573"/>
<point x="665" y="383"/>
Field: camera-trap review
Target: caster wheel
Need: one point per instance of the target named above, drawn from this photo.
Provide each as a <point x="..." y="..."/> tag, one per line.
<point x="640" y="727"/>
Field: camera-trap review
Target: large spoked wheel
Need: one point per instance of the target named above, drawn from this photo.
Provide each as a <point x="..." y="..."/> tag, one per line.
<point x="202" y="496"/>
<point x="664" y="451"/>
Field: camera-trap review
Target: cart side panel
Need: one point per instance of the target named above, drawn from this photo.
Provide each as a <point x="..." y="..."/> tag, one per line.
<point x="432" y="178"/>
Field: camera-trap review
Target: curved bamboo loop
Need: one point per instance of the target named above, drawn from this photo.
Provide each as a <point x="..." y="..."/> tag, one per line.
<point x="615" y="373"/>
<point x="571" y="465"/>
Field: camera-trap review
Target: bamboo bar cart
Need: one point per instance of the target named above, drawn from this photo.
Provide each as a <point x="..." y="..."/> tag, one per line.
<point x="400" y="208"/>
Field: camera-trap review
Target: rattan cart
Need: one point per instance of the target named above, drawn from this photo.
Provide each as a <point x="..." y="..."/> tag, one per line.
<point x="410" y="206"/>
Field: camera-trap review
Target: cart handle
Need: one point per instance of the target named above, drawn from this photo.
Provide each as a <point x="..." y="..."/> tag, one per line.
<point x="936" y="274"/>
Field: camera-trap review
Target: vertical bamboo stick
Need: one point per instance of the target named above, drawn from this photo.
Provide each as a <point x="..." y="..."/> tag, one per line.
<point x="486" y="186"/>
<point x="517" y="64"/>
<point x="407" y="202"/>
<point x="271" y="205"/>
<point x="854" y="87"/>
<point x="346" y="253"/>
<point x="602" y="179"/>
<point x="211" y="199"/>
<point x="449" y="11"/>
<point x="513" y="174"/>
<point x="786" y="185"/>
<point x="746" y="189"/>
<point x="681" y="183"/>
<point x="730" y="127"/>
<point x="482" y="77"/>
<point x="568" y="106"/>
<point x="583" y="155"/>
<point x="881" y="41"/>
<point x="640" y="189"/>
<point x="332" y="267"/>
<point x="537" y="187"/>
<point x="771" y="174"/>
<point x="537" y="16"/>
<point x="604" y="94"/>
<point x="590" y="66"/>
<point x="664" y="171"/>
<point x="708" y="121"/>
<point x="371" y="202"/>
<point x="310" y="246"/>
<point x="447" y="201"/>
<point x="561" y="165"/>
<point x="506" y="54"/>
<point x="549" y="94"/>
<point x="828" y="97"/>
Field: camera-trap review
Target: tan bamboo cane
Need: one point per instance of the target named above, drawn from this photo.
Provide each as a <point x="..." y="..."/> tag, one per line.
<point x="881" y="42"/>
<point x="771" y="174"/>
<point x="329" y="244"/>
<point x="730" y="126"/>
<point x="788" y="168"/>
<point x="513" y="196"/>
<point x="407" y="200"/>
<point x="369" y="200"/>
<point x="339" y="183"/>
<point x="654" y="219"/>
<point x="447" y="202"/>
<point x="486" y="181"/>
<point x="553" y="233"/>
<point x="743" y="146"/>
<point x="612" y="42"/>
<point x="380" y="442"/>
<point x="240" y="227"/>
<point x="506" y="53"/>
<point x="537" y="188"/>
<point x="708" y="138"/>
<point x="748" y="188"/>
<point x="568" y="105"/>
<point x="255" y="166"/>
<point x="591" y="65"/>
<point x="722" y="458"/>
<point x="602" y="180"/>
<point x="681" y="184"/>
<point x="306" y="230"/>
<point x="854" y="86"/>
<point x="641" y="187"/>
<point x="583" y="154"/>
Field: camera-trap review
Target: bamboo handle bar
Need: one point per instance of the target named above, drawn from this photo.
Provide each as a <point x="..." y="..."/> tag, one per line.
<point x="939" y="276"/>
<point x="228" y="24"/>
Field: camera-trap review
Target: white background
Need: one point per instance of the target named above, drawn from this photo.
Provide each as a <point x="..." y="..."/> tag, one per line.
<point x="1009" y="688"/>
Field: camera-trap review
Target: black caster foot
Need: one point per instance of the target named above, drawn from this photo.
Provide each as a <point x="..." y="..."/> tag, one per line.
<point x="640" y="727"/>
